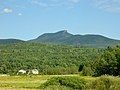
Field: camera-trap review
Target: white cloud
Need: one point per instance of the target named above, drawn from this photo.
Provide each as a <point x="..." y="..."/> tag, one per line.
<point x="55" y="3"/>
<point x="37" y="2"/>
<point x="19" y="14"/>
<point x="7" y="10"/>
<point x="18" y="5"/>
<point x="108" y="5"/>
<point x="22" y="4"/>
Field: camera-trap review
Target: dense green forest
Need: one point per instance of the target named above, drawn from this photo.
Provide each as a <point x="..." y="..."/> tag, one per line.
<point x="48" y="59"/>
<point x="108" y="62"/>
<point x="59" y="59"/>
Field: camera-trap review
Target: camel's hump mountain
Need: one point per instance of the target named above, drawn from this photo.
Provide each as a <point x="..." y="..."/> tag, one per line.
<point x="65" y="38"/>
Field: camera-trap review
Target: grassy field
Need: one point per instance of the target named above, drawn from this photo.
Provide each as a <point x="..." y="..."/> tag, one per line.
<point x="30" y="82"/>
<point x="33" y="82"/>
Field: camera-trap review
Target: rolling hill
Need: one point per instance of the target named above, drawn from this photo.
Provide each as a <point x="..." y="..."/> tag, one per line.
<point x="10" y="41"/>
<point x="65" y="38"/>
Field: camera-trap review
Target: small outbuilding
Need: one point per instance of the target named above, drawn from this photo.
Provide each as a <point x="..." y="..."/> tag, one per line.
<point x="35" y="71"/>
<point x="21" y="72"/>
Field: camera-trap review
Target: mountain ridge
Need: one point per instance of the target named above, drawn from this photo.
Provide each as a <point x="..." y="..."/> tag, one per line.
<point x="63" y="37"/>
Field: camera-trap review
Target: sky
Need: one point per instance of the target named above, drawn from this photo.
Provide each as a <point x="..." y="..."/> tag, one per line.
<point x="28" y="19"/>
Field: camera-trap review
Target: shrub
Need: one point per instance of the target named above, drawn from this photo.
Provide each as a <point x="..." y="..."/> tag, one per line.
<point x="72" y="82"/>
<point x="87" y="71"/>
<point x="57" y="87"/>
<point x="102" y="83"/>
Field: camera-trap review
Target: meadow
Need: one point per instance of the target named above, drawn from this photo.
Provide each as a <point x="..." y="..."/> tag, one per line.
<point x="34" y="82"/>
<point x="30" y="82"/>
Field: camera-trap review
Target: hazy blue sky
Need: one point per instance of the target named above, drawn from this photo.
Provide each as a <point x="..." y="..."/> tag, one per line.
<point x="27" y="19"/>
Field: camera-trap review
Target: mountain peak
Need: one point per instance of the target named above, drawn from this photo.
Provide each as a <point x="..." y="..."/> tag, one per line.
<point x="63" y="31"/>
<point x="62" y="34"/>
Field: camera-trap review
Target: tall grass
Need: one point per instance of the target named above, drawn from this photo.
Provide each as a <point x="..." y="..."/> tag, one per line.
<point x="22" y="81"/>
<point x="60" y="82"/>
<point x="105" y="83"/>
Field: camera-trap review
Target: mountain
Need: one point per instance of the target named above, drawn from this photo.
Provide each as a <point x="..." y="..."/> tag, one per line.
<point x="53" y="37"/>
<point x="65" y="38"/>
<point x="10" y="41"/>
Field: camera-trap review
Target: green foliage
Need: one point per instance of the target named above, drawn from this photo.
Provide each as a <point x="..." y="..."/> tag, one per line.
<point x="57" y="87"/>
<point x="48" y="59"/>
<point x="34" y="82"/>
<point x="109" y="62"/>
<point x="87" y="71"/>
<point x="102" y="83"/>
<point x="72" y="82"/>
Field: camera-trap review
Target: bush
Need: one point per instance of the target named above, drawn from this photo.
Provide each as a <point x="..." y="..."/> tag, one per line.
<point x="87" y="71"/>
<point x="57" y="87"/>
<point x="71" y="82"/>
<point x="102" y="83"/>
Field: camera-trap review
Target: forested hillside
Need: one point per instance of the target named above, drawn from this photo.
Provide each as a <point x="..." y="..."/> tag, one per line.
<point x="48" y="59"/>
<point x="10" y="41"/>
<point x="59" y="59"/>
<point x="66" y="38"/>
